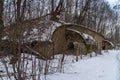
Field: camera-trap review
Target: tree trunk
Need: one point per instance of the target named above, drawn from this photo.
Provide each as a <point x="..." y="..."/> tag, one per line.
<point x="1" y="20"/>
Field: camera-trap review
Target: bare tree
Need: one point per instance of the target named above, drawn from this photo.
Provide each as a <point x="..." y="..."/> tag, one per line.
<point x="1" y="20"/>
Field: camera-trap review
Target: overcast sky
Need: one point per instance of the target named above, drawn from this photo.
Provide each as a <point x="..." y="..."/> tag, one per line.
<point x="112" y="2"/>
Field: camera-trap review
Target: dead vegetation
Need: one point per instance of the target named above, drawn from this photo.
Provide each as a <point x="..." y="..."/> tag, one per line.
<point x="23" y="22"/>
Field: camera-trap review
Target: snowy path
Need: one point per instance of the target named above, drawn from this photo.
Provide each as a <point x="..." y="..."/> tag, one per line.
<point x="102" y="67"/>
<point x="118" y="59"/>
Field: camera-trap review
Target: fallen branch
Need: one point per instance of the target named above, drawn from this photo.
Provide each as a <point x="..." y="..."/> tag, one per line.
<point x="35" y="52"/>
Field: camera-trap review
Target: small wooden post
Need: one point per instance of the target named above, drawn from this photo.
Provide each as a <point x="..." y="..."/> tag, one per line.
<point x="53" y="50"/>
<point x="77" y="47"/>
<point x="90" y="50"/>
<point x="81" y="50"/>
<point x="78" y="51"/>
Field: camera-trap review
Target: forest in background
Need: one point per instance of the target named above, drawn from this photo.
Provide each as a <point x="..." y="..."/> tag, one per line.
<point x="19" y="17"/>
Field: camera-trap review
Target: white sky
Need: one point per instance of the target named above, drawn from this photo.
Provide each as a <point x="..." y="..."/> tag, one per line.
<point x="112" y="2"/>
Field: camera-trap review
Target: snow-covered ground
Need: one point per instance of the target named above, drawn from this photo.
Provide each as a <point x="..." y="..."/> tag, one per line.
<point x="100" y="67"/>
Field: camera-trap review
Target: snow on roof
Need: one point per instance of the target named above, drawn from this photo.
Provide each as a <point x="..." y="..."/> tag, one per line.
<point x="85" y="36"/>
<point x="48" y="32"/>
<point x="65" y="23"/>
<point x="83" y="26"/>
<point x="109" y="42"/>
<point x="33" y="35"/>
<point x="36" y="34"/>
<point x="5" y="37"/>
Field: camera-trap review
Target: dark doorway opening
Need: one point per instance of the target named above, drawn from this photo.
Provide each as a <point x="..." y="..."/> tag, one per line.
<point x="70" y="46"/>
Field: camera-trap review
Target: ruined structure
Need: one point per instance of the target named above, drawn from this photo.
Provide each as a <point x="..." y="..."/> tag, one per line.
<point x="67" y="38"/>
<point x="107" y="45"/>
<point x="66" y="35"/>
